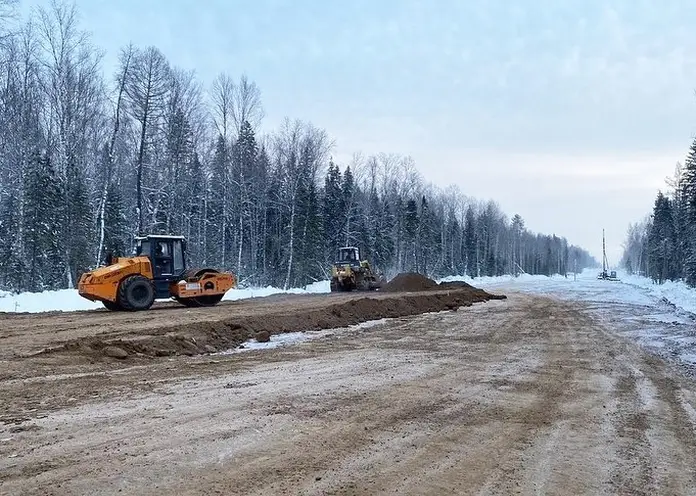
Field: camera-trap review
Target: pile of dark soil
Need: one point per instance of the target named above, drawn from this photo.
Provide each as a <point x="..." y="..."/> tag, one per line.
<point x="455" y="285"/>
<point x="209" y="337"/>
<point x="409" y="281"/>
<point x="412" y="281"/>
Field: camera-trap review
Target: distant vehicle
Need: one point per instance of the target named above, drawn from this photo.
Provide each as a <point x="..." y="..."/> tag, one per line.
<point x="350" y="273"/>
<point x="606" y="275"/>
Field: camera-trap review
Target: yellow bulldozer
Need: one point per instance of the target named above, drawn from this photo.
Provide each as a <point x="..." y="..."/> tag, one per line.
<point x="157" y="271"/>
<point x="350" y="273"/>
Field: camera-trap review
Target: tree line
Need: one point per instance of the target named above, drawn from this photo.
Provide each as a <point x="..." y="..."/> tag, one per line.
<point x="87" y="162"/>
<point x="662" y="246"/>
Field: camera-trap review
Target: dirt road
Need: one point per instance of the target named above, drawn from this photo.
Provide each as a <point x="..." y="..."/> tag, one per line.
<point x="524" y="396"/>
<point x="158" y="330"/>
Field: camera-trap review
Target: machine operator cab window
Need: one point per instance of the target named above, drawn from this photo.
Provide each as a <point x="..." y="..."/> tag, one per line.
<point x="166" y="254"/>
<point x="348" y="256"/>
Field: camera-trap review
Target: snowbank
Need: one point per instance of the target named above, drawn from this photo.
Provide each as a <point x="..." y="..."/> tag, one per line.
<point x="241" y="294"/>
<point x="47" y="301"/>
<point x="488" y="280"/>
<point x="675" y="292"/>
<point x="68" y="300"/>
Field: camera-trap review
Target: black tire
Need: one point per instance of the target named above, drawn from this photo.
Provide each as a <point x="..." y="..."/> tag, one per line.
<point x="112" y="305"/>
<point x="136" y="293"/>
<point x="362" y="284"/>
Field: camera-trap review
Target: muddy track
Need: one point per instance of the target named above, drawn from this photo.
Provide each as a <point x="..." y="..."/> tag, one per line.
<point x="523" y="396"/>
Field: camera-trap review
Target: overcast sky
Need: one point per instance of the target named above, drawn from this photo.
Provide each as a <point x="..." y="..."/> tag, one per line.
<point x="569" y="113"/>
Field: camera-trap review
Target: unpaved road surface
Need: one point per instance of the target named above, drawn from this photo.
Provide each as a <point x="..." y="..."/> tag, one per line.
<point x="528" y="395"/>
<point x="170" y="328"/>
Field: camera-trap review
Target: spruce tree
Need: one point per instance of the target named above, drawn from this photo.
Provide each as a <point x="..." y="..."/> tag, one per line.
<point x="452" y="251"/>
<point x="219" y="208"/>
<point x="424" y="238"/>
<point x="332" y="211"/>
<point x="410" y="236"/>
<point x="517" y="253"/>
<point x="262" y="207"/>
<point x="308" y="267"/>
<point x="115" y="223"/>
<point x="384" y="246"/>
<point x="689" y="224"/>
<point x="661" y="241"/>
<point x="349" y="209"/>
<point x="77" y="233"/>
<point x="193" y="210"/>
<point x="679" y="214"/>
<point x="42" y="216"/>
<point x="470" y="242"/>
<point x="12" y="266"/>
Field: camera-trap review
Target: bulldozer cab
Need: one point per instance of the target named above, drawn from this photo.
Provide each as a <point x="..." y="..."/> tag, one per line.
<point x="166" y="254"/>
<point x="348" y="255"/>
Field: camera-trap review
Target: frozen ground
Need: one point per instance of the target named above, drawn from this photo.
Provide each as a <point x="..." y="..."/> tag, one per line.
<point x="660" y="318"/>
<point x="529" y="395"/>
<point x="290" y="338"/>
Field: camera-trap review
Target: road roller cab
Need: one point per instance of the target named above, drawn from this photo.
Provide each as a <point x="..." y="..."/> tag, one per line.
<point x="157" y="271"/>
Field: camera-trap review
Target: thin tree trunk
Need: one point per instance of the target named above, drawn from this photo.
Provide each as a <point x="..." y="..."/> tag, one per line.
<point x="110" y="161"/>
<point x="292" y="245"/>
<point x="241" y="240"/>
<point x="139" y="185"/>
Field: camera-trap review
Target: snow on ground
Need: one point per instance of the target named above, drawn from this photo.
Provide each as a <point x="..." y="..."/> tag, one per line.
<point x="660" y="317"/>
<point x="241" y="294"/>
<point x="48" y="301"/>
<point x="290" y="338"/>
<point x="68" y="300"/>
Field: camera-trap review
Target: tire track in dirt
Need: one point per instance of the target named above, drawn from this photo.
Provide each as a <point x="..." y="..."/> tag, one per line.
<point x="633" y="473"/>
<point x="524" y="396"/>
<point x="551" y="385"/>
<point x="670" y="432"/>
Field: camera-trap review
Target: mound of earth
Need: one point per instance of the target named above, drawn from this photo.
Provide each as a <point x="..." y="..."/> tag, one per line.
<point x="230" y="332"/>
<point x="409" y="281"/>
<point x="455" y="285"/>
<point x="412" y="281"/>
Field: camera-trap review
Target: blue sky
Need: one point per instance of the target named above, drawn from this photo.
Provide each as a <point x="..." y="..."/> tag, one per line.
<point x="569" y="113"/>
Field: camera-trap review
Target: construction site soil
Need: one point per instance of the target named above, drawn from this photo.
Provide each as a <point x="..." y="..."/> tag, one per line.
<point x="170" y="329"/>
<point x="530" y="395"/>
<point x="411" y="281"/>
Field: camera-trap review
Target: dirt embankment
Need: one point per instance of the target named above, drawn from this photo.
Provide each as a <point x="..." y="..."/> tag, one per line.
<point x="412" y="281"/>
<point x="227" y="333"/>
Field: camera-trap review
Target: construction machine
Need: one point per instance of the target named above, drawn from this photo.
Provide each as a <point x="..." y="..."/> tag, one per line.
<point x="350" y="273"/>
<point x="157" y="271"/>
<point x="606" y="274"/>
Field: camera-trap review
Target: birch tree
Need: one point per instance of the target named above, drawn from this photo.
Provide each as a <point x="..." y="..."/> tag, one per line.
<point x="71" y="81"/>
<point x="246" y="104"/>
